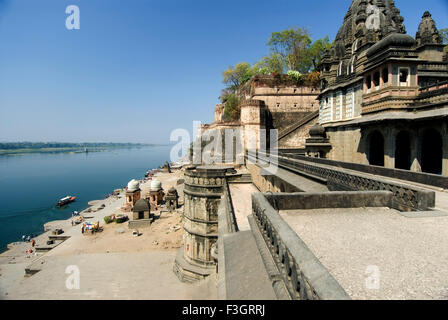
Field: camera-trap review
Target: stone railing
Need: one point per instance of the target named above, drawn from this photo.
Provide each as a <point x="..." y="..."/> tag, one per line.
<point x="226" y="225"/>
<point x="434" y="87"/>
<point x="303" y="274"/>
<point x="405" y="197"/>
<point x="228" y="212"/>
<point x="419" y="177"/>
<point x="432" y="95"/>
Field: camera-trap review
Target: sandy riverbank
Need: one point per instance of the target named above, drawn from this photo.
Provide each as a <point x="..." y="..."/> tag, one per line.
<point x="113" y="264"/>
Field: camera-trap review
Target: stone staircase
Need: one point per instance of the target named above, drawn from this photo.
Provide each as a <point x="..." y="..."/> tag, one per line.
<point x="285" y="132"/>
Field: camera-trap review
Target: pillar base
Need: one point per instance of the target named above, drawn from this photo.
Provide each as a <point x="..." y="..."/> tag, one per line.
<point x="190" y="272"/>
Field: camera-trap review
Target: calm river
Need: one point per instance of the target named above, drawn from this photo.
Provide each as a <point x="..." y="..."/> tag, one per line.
<point x="31" y="184"/>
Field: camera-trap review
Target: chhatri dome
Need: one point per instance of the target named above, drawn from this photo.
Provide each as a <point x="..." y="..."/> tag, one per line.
<point x="133" y="185"/>
<point x="156" y="185"/>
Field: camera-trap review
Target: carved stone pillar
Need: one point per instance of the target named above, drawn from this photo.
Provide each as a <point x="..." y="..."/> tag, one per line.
<point x="204" y="187"/>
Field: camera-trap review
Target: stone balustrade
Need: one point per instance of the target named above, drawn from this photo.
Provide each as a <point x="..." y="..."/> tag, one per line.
<point x="304" y="276"/>
<point x="405" y="197"/>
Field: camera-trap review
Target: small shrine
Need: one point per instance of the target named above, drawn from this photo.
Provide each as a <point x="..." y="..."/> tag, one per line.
<point x="133" y="194"/>
<point x="171" y="200"/>
<point x="141" y="215"/>
<point x="156" y="193"/>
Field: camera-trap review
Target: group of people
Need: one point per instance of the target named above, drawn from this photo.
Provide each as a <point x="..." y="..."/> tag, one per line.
<point x="26" y="238"/>
<point x="29" y="239"/>
<point x="90" y="226"/>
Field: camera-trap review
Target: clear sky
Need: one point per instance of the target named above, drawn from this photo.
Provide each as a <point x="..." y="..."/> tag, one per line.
<point x="137" y="69"/>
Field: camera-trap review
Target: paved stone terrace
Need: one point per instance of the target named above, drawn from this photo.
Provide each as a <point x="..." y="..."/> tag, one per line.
<point x="411" y="253"/>
<point x="242" y="203"/>
<point x="111" y="276"/>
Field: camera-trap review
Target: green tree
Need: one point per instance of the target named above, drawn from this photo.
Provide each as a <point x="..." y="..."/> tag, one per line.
<point x="293" y="46"/>
<point x="316" y="52"/>
<point x="233" y="77"/>
<point x="444" y="34"/>
<point x="232" y="107"/>
<point x="270" y="64"/>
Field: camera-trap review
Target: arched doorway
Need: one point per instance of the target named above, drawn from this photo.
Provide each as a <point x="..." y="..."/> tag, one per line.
<point x="432" y="152"/>
<point x="376" y="149"/>
<point x="403" y="151"/>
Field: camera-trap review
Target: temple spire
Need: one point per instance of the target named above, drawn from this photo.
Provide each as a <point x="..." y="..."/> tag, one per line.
<point x="427" y="31"/>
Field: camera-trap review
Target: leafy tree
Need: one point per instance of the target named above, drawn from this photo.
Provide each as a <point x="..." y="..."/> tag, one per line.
<point x="292" y="50"/>
<point x="444" y="34"/>
<point x="316" y="52"/>
<point x="293" y="46"/>
<point x="313" y="78"/>
<point x="232" y="107"/>
<point x="269" y="64"/>
<point x="233" y="77"/>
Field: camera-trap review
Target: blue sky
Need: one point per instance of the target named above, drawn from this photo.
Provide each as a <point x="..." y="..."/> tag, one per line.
<point x="137" y="69"/>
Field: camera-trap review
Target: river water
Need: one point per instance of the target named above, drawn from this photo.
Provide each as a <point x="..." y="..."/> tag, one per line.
<point x="31" y="184"/>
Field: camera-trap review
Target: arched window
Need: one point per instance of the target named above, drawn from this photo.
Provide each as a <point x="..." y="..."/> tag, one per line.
<point x="385" y="75"/>
<point x="376" y="79"/>
<point x="403" y="151"/>
<point x="375" y="153"/>
<point x="432" y="152"/>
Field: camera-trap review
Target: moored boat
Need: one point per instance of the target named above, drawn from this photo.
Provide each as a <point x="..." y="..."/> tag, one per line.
<point x="65" y="201"/>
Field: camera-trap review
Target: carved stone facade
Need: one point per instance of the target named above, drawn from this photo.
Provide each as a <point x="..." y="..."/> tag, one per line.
<point x="384" y="100"/>
<point x="204" y="187"/>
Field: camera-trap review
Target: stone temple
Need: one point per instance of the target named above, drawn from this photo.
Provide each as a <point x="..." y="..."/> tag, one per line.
<point x="382" y="100"/>
<point x="384" y="96"/>
<point x="352" y="202"/>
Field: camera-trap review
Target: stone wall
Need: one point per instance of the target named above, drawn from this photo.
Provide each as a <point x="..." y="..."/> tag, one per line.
<point x="405" y="197"/>
<point x="268" y="183"/>
<point x="353" y="143"/>
<point x="334" y="199"/>
<point x="346" y="144"/>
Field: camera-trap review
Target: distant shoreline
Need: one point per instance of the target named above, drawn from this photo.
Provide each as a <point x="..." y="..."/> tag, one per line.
<point x="22" y="151"/>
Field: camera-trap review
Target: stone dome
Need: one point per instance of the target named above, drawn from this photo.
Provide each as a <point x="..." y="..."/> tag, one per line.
<point x="141" y="205"/>
<point x="156" y="185"/>
<point x="394" y="39"/>
<point x="317" y="131"/>
<point x="133" y="185"/>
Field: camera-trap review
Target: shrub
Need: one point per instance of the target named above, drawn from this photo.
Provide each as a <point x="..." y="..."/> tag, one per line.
<point x="108" y="219"/>
<point x="232" y="109"/>
<point x="296" y="75"/>
<point x="121" y="219"/>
